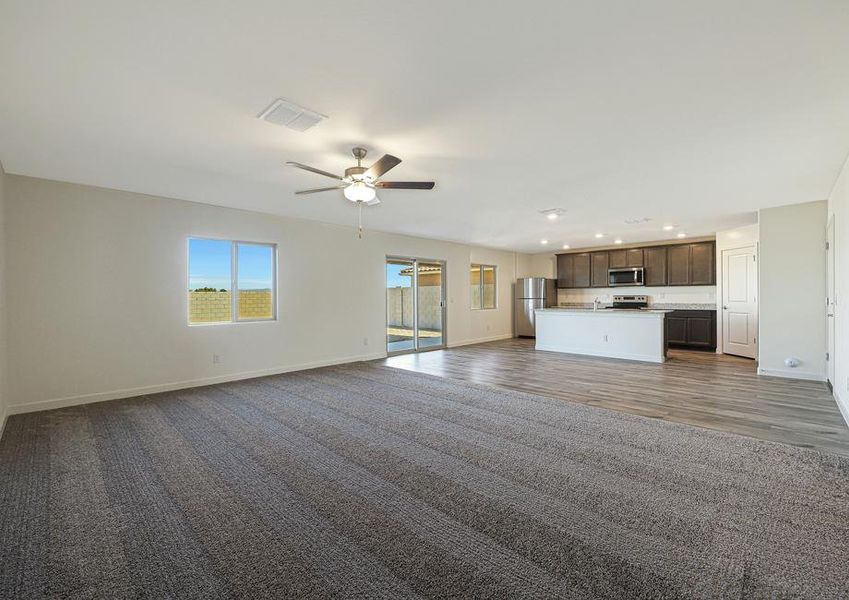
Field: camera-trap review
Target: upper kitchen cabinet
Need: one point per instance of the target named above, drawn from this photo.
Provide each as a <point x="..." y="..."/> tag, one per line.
<point x="599" y="265"/>
<point x="574" y="270"/>
<point x="702" y="268"/>
<point x="581" y="270"/>
<point x="565" y="269"/>
<point x="673" y="264"/>
<point x="678" y="265"/>
<point x="655" y="264"/>
<point x="691" y="264"/>
<point x="618" y="260"/>
<point x="634" y="257"/>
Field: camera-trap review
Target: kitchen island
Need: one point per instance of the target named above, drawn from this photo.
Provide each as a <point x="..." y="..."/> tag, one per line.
<point x="613" y="333"/>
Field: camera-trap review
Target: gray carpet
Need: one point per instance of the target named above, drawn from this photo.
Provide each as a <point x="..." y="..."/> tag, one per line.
<point x="366" y="481"/>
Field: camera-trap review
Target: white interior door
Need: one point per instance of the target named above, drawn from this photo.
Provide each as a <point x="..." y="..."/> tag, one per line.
<point x="829" y="300"/>
<point x="740" y="302"/>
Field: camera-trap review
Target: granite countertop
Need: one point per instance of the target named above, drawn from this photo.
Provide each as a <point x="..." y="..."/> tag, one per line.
<point x="652" y="306"/>
<point x="603" y="310"/>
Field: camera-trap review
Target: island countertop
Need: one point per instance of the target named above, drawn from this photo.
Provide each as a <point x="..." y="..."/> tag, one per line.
<point x="607" y="311"/>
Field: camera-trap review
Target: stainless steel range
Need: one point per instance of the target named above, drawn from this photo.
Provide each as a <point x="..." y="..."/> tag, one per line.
<point x="635" y="302"/>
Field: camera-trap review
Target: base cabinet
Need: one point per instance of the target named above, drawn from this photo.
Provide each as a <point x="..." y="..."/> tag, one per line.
<point x="694" y="329"/>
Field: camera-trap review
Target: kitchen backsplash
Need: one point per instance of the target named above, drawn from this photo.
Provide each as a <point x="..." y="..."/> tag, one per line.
<point x="702" y="294"/>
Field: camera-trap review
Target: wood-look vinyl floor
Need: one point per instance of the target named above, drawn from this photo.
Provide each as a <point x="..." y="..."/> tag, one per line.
<point x="698" y="388"/>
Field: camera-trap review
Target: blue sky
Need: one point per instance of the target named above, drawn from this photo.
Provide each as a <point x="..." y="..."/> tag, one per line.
<point x="209" y="265"/>
<point x="394" y="279"/>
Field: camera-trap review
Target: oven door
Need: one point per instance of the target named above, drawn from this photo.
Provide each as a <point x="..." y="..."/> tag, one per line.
<point x="623" y="277"/>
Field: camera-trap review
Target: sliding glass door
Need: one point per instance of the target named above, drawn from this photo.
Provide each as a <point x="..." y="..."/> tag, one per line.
<point x="415" y="305"/>
<point x="430" y="305"/>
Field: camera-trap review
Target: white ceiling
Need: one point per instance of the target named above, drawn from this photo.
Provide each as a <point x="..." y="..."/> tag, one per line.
<point x="688" y="114"/>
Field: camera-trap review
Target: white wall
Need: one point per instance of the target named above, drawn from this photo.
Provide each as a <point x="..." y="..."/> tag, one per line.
<point x="97" y="282"/>
<point x="838" y="209"/>
<point x="792" y="290"/>
<point x="3" y="341"/>
<point x="729" y="240"/>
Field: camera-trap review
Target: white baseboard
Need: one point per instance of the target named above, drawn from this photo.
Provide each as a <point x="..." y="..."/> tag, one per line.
<point x="52" y="403"/>
<point x="492" y="338"/>
<point x="3" y="415"/>
<point x="842" y="405"/>
<point x="792" y="374"/>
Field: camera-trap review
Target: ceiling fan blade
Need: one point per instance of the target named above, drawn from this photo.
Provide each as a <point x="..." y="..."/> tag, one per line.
<point x="386" y="162"/>
<point x="406" y="185"/>
<point x="373" y="201"/>
<point x="327" y="189"/>
<point x="313" y="170"/>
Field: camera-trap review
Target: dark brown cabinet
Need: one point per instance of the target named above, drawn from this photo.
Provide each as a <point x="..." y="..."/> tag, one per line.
<point x="573" y="270"/>
<point x="599" y="264"/>
<point x="702" y="269"/>
<point x="691" y="264"/>
<point x="691" y="329"/>
<point x="634" y="257"/>
<point x="618" y="260"/>
<point x="581" y="270"/>
<point x="565" y="268"/>
<point x="655" y="264"/>
<point x="678" y="264"/>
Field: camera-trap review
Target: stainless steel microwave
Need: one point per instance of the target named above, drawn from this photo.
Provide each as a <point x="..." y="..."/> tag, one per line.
<point x="623" y="277"/>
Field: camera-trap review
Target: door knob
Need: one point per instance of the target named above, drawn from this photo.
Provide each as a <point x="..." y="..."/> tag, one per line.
<point x="724" y="307"/>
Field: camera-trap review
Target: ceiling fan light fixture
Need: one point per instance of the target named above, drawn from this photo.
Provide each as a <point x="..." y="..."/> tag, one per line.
<point x="359" y="192"/>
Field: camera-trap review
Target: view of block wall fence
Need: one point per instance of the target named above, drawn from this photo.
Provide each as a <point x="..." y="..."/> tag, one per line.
<point x="214" y="307"/>
<point x="399" y="307"/>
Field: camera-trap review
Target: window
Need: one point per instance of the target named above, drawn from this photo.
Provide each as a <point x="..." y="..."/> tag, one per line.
<point x="482" y="281"/>
<point x="231" y="281"/>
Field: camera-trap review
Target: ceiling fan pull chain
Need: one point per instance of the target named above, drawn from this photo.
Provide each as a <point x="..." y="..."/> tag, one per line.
<point x="360" y="219"/>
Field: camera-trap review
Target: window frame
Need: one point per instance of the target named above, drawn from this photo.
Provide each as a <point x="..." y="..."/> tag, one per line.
<point x="234" y="278"/>
<point x="480" y="285"/>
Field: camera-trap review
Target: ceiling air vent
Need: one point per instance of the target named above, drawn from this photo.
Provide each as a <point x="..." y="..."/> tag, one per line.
<point x="289" y="114"/>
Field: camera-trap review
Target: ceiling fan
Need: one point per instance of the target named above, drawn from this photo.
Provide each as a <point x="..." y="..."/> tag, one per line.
<point x="360" y="184"/>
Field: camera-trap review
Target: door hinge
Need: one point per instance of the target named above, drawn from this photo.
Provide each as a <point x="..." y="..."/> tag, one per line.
<point x="827" y="245"/>
<point x="827" y="356"/>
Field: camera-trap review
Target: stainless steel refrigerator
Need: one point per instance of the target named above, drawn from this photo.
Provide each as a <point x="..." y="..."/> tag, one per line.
<point x="531" y="293"/>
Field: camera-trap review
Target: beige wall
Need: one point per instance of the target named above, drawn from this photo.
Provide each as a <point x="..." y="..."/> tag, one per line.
<point x="838" y="210"/>
<point x="99" y="245"/>
<point x="3" y="341"/>
<point x="792" y="290"/>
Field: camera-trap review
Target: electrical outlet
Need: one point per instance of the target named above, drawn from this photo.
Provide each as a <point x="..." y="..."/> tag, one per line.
<point x="216" y="359"/>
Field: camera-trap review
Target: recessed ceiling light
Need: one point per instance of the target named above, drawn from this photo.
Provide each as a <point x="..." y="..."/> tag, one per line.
<point x="617" y="241"/>
<point x="552" y="213"/>
<point x="599" y="235"/>
<point x="565" y="246"/>
<point x="682" y="235"/>
<point x="668" y="227"/>
<point x="543" y="242"/>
